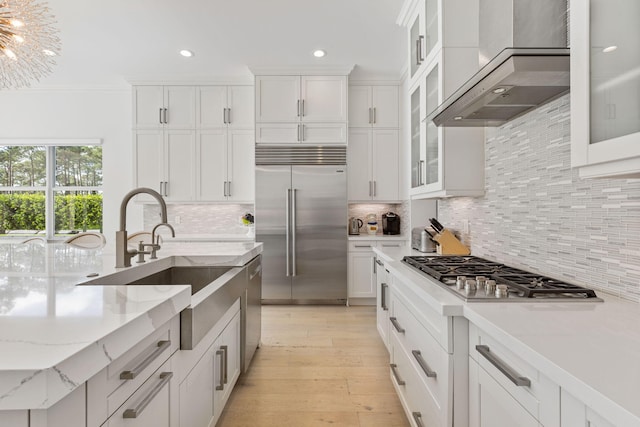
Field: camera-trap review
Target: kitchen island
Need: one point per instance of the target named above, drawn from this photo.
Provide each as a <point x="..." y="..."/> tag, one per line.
<point x="580" y="357"/>
<point x="55" y="335"/>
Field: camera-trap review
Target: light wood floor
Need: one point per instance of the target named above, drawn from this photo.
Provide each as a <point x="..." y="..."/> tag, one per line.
<point x="317" y="366"/>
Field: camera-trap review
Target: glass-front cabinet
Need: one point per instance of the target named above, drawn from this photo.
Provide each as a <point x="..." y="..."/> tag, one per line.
<point x="605" y="88"/>
<point x="432" y="133"/>
<point x="417" y="148"/>
<point x="423" y="35"/>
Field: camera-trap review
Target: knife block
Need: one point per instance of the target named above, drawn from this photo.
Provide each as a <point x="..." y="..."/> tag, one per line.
<point x="448" y="244"/>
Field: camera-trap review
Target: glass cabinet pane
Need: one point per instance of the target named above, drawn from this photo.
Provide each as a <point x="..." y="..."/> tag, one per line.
<point x="415" y="139"/>
<point x="615" y="68"/>
<point x="432" y="145"/>
<point x="431" y="18"/>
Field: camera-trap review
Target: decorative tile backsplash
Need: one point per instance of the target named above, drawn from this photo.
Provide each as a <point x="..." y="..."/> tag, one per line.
<point x="537" y="214"/>
<point x="201" y="219"/>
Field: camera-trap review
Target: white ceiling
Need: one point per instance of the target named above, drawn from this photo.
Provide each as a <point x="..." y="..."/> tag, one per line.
<point x="110" y="42"/>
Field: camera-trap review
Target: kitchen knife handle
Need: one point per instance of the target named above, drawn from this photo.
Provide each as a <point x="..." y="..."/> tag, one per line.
<point x="287" y="229"/>
<point x="507" y="370"/>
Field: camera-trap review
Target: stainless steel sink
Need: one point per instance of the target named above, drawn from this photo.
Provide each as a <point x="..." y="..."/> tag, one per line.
<point x="213" y="291"/>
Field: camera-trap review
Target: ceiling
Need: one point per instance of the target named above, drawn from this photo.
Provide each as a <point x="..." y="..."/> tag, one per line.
<point x="112" y="42"/>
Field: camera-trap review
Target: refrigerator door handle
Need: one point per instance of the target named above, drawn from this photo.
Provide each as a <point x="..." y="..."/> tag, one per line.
<point x="287" y="228"/>
<point x="293" y="233"/>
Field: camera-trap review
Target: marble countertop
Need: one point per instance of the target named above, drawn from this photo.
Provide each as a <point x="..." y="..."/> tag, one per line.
<point x="591" y="349"/>
<point x="55" y="335"/>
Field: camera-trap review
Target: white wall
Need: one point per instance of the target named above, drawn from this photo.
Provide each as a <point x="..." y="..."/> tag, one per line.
<point x="80" y="113"/>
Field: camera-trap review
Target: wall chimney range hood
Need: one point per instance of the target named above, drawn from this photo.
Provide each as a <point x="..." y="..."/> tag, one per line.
<point x="517" y="79"/>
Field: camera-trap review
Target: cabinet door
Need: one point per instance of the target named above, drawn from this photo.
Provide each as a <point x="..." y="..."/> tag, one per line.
<point x="180" y="164"/>
<point x="491" y="405"/>
<point x="241" y="165"/>
<point x="241" y="107"/>
<point x="360" y="110"/>
<point x="359" y="182"/>
<point x="418" y="153"/>
<point x="324" y="99"/>
<point x="211" y="152"/>
<point x="212" y="100"/>
<point x="361" y="278"/>
<point x="385" y="160"/>
<point x="416" y="41"/>
<point x="382" y="302"/>
<point x="277" y="98"/>
<point x="148" y="146"/>
<point x="385" y="106"/>
<point x="278" y="133"/>
<point x="227" y="364"/>
<point x="147" y="106"/>
<point x="196" y="393"/>
<point x="323" y="133"/>
<point x="180" y="102"/>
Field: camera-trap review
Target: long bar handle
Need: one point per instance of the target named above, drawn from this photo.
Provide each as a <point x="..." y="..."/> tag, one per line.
<point x="161" y="346"/>
<point x="394" y="370"/>
<point x="421" y="47"/>
<point x="383" y="296"/>
<point x="160" y="115"/>
<point x="229" y="188"/>
<point x="370" y="115"/>
<point x="225" y="189"/>
<point x="287" y="230"/>
<point x="303" y="108"/>
<point x="225" y="351"/>
<point x="375" y="190"/>
<point x="374" y="115"/>
<point x="293" y="232"/>
<point x="507" y="370"/>
<point x="370" y="192"/>
<point x="421" y="174"/>
<point x="380" y="263"/>
<point x="374" y="265"/>
<point x="423" y="364"/>
<point x="298" y="132"/>
<point x="362" y="246"/>
<point x="220" y="353"/>
<point x="165" y="377"/>
<point x="396" y="325"/>
<point x="166" y="189"/>
<point x="166" y="120"/>
<point x="298" y="108"/>
<point x="417" y="417"/>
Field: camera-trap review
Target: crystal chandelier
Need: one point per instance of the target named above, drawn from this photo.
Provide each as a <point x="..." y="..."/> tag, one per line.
<point x="28" y="42"/>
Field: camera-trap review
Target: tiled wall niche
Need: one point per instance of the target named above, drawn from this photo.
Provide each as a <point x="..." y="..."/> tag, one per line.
<point x="537" y="214"/>
<point x="201" y="219"/>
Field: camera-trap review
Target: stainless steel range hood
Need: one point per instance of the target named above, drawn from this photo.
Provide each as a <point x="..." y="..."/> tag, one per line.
<point x="517" y="79"/>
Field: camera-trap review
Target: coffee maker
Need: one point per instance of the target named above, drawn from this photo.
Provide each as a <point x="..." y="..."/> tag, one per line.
<point x="390" y="223"/>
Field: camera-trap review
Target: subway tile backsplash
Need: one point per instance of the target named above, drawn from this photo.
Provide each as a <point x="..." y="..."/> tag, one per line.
<point x="201" y="218"/>
<point x="537" y="214"/>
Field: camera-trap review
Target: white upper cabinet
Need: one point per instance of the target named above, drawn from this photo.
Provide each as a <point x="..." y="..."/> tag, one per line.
<point x="605" y="88"/>
<point x="285" y="99"/>
<point x="374" y="106"/>
<point x="171" y="107"/>
<point x="225" y="106"/>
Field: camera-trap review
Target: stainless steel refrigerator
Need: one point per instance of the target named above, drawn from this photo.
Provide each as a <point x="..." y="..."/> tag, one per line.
<point x="300" y="217"/>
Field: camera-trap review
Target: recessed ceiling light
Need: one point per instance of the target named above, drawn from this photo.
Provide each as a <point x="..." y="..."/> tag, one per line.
<point x="457" y="118"/>
<point x="499" y="90"/>
<point x="609" y="49"/>
<point x="319" y="53"/>
<point x="186" y="53"/>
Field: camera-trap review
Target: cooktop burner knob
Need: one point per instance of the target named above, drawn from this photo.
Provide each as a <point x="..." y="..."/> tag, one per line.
<point x="460" y="282"/>
<point x="490" y="287"/>
<point x="481" y="280"/>
<point x="502" y="291"/>
<point x="470" y="287"/>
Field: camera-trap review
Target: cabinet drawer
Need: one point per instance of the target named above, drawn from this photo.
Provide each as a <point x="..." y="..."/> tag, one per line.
<point x="108" y="389"/>
<point x="361" y="245"/>
<point x="430" y="363"/>
<point x="153" y="404"/>
<point x="415" y="395"/>
<point x="520" y="379"/>
<point x="392" y="244"/>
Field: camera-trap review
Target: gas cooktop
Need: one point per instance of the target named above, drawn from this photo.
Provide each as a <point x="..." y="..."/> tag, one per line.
<point x="478" y="279"/>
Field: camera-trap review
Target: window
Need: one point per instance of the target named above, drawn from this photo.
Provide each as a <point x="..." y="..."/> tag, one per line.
<point x="52" y="190"/>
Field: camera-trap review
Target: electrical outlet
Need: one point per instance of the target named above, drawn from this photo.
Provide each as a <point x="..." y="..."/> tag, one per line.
<point x="177" y="221"/>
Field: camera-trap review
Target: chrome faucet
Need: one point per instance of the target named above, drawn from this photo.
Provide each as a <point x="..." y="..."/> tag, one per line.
<point x="123" y="254"/>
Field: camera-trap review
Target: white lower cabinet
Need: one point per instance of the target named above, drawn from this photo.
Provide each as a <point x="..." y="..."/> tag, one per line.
<point x="574" y="413"/>
<point x="362" y="267"/>
<point x="505" y="390"/>
<point x="382" y="300"/>
<point x="428" y="359"/>
<point x="206" y="387"/>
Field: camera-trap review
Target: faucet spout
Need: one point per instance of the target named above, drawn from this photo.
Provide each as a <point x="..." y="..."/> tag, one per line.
<point x="155" y="237"/>
<point x="123" y="254"/>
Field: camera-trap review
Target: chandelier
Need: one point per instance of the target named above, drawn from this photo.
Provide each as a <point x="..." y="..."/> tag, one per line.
<point x="28" y="42"/>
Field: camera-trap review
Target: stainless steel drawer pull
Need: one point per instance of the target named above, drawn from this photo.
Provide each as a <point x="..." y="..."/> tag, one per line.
<point x="380" y="263"/>
<point x="423" y="364"/>
<point x="394" y="370"/>
<point x="507" y="370"/>
<point x="160" y="116"/>
<point x="362" y="246"/>
<point x="389" y="245"/>
<point x="417" y="417"/>
<point x="396" y="325"/>
<point x="383" y="296"/>
<point x="374" y="115"/>
<point x="225" y="349"/>
<point x="370" y="119"/>
<point x="165" y="377"/>
<point x="220" y="353"/>
<point x="161" y="346"/>
<point x="166" y="121"/>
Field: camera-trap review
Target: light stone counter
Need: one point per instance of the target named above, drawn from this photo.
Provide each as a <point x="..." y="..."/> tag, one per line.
<point x="592" y="350"/>
<point x="55" y="335"/>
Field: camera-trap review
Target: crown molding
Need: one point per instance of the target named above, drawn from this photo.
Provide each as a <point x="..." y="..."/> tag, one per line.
<point x="406" y="11"/>
<point x="301" y="70"/>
